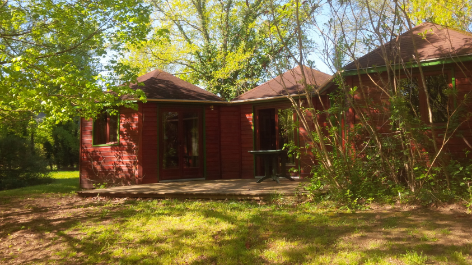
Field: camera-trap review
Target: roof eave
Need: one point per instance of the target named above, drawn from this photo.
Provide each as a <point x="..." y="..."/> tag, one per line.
<point x="267" y="98"/>
<point x="184" y="101"/>
<point x="429" y="62"/>
<point x="325" y="85"/>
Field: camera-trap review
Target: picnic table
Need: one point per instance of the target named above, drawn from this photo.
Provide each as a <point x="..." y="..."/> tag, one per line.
<point x="271" y="157"/>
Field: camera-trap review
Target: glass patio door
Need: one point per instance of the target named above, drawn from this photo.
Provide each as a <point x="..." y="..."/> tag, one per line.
<point x="180" y="140"/>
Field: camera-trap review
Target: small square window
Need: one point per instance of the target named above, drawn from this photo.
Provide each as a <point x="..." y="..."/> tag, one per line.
<point x="105" y="129"/>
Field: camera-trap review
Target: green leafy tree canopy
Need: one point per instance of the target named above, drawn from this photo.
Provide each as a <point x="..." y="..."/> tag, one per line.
<point x="456" y="14"/>
<point x="51" y="53"/>
<point x="222" y="46"/>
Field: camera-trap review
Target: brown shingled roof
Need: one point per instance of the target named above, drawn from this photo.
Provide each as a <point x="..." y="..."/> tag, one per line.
<point x="438" y="42"/>
<point x="291" y="80"/>
<point x="162" y="85"/>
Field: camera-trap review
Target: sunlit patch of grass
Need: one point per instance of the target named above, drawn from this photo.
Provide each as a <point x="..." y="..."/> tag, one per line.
<point x="429" y="236"/>
<point x="284" y="251"/>
<point x="65" y="182"/>
<point x="460" y="258"/>
<point x="413" y="258"/>
<point x="66" y="254"/>
<point x="445" y="231"/>
<point x="347" y="257"/>
<point x="413" y="232"/>
<point x="376" y="244"/>
<point x="180" y="232"/>
<point x="376" y="257"/>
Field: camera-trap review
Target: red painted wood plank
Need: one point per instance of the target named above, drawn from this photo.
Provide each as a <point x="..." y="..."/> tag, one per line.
<point x="212" y="127"/>
<point x="149" y="142"/>
<point x="230" y="142"/>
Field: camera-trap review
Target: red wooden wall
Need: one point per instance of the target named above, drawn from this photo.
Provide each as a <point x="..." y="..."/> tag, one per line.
<point x="117" y="164"/>
<point x="229" y="137"/>
<point x="307" y="158"/>
<point x="462" y="139"/>
<point x="149" y="142"/>
<point x="247" y="142"/>
<point x="376" y="103"/>
<point x="371" y="100"/>
<point x="230" y="142"/>
<point x="212" y="130"/>
<point x="229" y="132"/>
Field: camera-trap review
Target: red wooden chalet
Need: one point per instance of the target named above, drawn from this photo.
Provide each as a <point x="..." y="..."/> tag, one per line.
<point x="445" y="56"/>
<point x="183" y="132"/>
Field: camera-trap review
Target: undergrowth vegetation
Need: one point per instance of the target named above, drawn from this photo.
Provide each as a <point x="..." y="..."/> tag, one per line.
<point x="20" y="164"/>
<point x="366" y="173"/>
<point x="387" y="126"/>
<point x="361" y="175"/>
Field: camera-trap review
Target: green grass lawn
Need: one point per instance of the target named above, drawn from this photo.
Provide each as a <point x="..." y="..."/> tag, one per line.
<point x="64" y="182"/>
<point x="49" y="227"/>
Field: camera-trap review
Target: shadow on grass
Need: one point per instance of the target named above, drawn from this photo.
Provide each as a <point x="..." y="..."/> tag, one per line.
<point x="195" y="232"/>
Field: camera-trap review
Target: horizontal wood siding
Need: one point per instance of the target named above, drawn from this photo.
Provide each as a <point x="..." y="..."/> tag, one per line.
<point x="461" y="142"/>
<point x="117" y="164"/>
<point x="212" y="130"/>
<point x="307" y="157"/>
<point x="247" y="142"/>
<point x="376" y="103"/>
<point x="149" y="142"/>
<point x="230" y="143"/>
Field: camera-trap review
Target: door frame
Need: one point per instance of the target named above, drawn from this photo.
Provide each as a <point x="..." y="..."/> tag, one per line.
<point x="201" y="135"/>
<point x="277" y="106"/>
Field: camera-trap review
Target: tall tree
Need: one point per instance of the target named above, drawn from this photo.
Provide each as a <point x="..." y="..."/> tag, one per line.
<point x="51" y="53"/>
<point x="221" y="45"/>
<point x="456" y="14"/>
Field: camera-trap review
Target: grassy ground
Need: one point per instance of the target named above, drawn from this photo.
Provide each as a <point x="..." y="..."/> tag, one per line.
<point x="64" y="182"/>
<point x="43" y="226"/>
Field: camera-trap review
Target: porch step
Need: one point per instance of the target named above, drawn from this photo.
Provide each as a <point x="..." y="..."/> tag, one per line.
<point x="239" y="189"/>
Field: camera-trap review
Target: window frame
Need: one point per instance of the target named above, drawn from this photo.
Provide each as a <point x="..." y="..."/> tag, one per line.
<point x="290" y="160"/>
<point x="450" y="83"/>
<point x="276" y="105"/>
<point x="118" y="122"/>
<point x="448" y="80"/>
<point x="414" y="110"/>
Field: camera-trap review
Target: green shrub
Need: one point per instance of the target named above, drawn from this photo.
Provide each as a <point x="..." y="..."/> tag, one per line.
<point x="20" y="164"/>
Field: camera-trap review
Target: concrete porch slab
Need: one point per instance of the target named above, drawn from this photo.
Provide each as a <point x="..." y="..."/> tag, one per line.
<point x="202" y="189"/>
